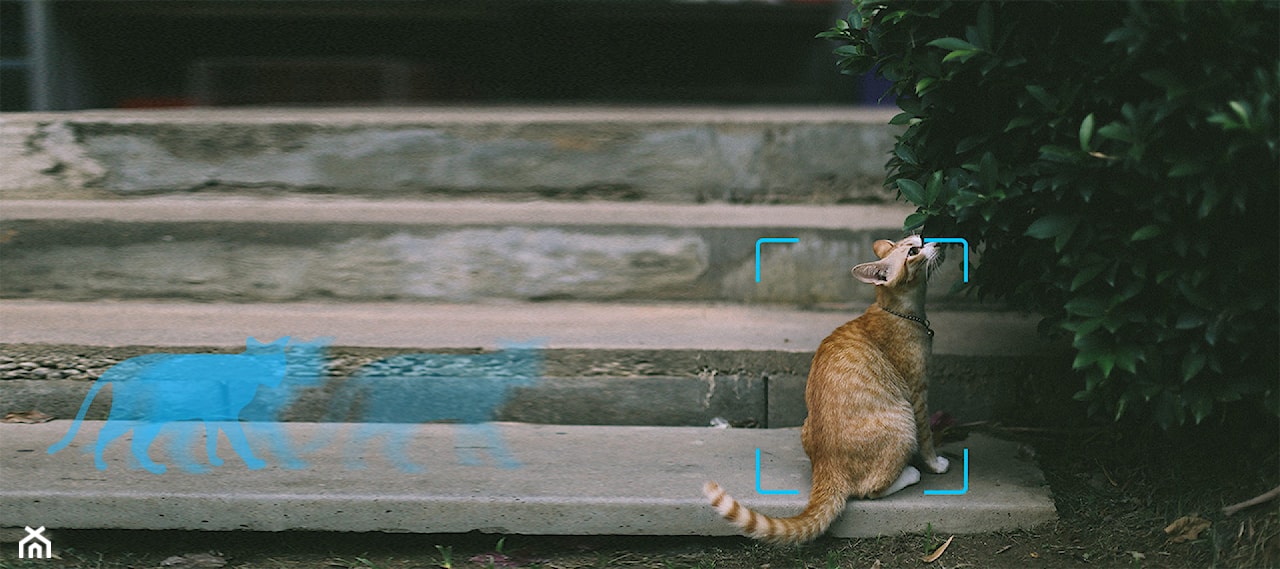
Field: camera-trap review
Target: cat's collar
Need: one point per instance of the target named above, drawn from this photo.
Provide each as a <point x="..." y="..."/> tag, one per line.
<point x="922" y="321"/>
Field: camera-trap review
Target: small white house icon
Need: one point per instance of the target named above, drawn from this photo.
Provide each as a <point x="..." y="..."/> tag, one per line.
<point x="35" y="546"/>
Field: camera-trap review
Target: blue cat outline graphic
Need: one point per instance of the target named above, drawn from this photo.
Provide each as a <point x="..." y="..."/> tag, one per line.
<point x="306" y="364"/>
<point x="152" y="391"/>
<point x="391" y="397"/>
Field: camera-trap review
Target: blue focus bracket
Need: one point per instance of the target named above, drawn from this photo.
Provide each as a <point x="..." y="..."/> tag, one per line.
<point x="936" y="492"/>
<point x="959" y="240"/>
<point x="763" y="491"/>
<point x="770" y="240"/>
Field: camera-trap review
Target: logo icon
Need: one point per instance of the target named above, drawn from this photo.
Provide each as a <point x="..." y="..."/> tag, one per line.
<point x="35" y="546"/>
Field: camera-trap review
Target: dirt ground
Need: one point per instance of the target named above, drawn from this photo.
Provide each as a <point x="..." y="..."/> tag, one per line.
<point x="1116" y="490"/>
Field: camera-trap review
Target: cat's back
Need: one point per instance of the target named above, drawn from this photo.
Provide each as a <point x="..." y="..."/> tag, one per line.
<point x="870" y="348"/>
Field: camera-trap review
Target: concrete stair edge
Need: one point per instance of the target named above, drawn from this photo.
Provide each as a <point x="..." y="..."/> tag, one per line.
<point x="585" y="325"/>
<point x="564" y="480"/>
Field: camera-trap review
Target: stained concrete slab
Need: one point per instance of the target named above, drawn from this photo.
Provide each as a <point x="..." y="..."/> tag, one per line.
<point x="685" y="326"/>
<point x="242" y="249"/>
<point x="605" y="361"/>
<point x="673" y="154"/>
<point x="566" y="480"/>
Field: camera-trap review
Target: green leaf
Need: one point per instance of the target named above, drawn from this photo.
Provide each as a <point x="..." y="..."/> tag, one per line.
<point x="854" y="20"/>
<point x="1083" y="276"/>
<point x="1187" y="168"/>
<point x="1242" y="111"/>
<point x="933" y="189"/>
<point x="1127" y="358"/>
<point x="953" y="44"/>
<point x="1201" y="408"/>
<point x="915" y="221"/>
<point x="1121" y="405"/>
<point x="1086" y="133"/>
<point x="1119" y="35"/>
<point x="961" y="54"/>
<point x="1146" y="232"/>
<point x="1020" y="122"/>
<point x="1192" y="363"/>
<point x="1084" y="359"/>
<point x="912" y="190"/>
<point x="986" y="22"/>
<point x="1055" y="153"/>
<point x="902" y="118"/>
<point x="906" y="153"/>
<point x="924" y="85"/>
<point x="1042" y="95"/>
<point x="1086" y="306"/>
<point x="1189" y="320"/>
<point x="1116" y="131"/>
<point x="1052" y="225"/>
<point x="848" y="51"/>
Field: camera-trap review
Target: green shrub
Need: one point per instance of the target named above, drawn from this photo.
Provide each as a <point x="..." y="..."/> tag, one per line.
<point x="1116" y="167"/>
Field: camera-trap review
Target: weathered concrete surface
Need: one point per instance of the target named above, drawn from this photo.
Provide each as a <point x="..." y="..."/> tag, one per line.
<point x="651" y="326"/>
<point x="653" y="154"/>
<point x="255" y="250"/>
<point x="570" y="480"/>
<point x="605" y="364"/>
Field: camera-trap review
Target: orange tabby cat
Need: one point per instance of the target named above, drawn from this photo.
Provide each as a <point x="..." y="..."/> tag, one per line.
<point x="866" y="398"/>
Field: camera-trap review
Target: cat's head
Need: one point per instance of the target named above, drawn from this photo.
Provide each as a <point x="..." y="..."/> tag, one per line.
<point x="905" y="262"/>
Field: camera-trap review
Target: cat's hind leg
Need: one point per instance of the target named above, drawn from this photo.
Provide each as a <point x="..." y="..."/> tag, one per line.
<point x="397" y="444"/>
<point x="110" y="431"/>
<point x="211" y="444"/>
<point x="270" y="435"/>
<point x="356" y="445"/>
<point x="143" y="434"/>
<point x="239" y="443"/>
<point x="180" y="447"/>
<point x="475" y="436"/>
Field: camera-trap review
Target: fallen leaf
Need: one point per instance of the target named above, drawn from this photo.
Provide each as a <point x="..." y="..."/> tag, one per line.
<point x="937" y="552"/>
<point x="1186" y="528"/>
<point x="1137" y="555"/>
<point x="26" y="417"/>
<point x="1035" y="555"/>
<point x="876" y="565"/>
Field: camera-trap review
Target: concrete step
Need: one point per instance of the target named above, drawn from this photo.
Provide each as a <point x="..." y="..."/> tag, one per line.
<point x="601" y="363"/>
<point x="526" y="479"/>
<point x="660" y="154"/>
<point x="582" y="325"/>
<point x="301" y="249"/>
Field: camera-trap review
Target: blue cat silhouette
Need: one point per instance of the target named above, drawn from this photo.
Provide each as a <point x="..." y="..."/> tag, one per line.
<point x="305" y="366"/>
<point x="395" y="394"/>
<point x="154" y="390"/>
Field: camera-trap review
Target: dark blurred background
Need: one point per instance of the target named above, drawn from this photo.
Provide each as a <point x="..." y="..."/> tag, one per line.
<point x="77" y="54"/>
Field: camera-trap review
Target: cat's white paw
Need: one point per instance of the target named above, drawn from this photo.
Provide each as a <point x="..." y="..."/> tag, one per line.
<point x="910" y="475"/>
<point x="938" y="465"/>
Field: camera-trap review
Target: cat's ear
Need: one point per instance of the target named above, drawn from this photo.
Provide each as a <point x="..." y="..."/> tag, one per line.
<point x="882" y="247"/>
<point x="877" y="273"/>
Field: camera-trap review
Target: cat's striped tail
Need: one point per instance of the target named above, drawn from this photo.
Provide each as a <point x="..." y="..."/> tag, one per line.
<point x="825" y="505"/>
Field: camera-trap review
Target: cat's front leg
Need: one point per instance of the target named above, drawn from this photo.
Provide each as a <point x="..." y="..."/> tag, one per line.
<point x="928" y="455"/>
<point x="924" y="434"/>
<point x="937" y="465"/>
